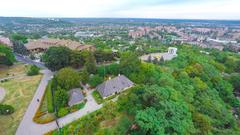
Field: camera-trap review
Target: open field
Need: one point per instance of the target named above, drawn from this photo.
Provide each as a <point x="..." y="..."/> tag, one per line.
<point x="17" y="69"/>
<point x="19" y="93"/>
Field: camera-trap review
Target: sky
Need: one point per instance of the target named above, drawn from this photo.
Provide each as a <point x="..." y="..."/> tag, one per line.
<point x="164" y="9"/>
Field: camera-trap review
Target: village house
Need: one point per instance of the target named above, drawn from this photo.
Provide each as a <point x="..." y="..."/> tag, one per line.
<point x="42" y="45"/>
<point x="75" y="97"/>
<point x="114" y="86"/>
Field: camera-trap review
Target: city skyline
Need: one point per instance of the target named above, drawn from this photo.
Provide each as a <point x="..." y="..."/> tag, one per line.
<point x="163" y="9"/>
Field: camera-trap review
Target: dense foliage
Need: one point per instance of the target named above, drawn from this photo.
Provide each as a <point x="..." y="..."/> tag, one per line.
<point x="68" y="78"/>
<point x="33" y="70"/>
<point x="6" y="55"/>
<point x="56" y="58"/>
<point x="191" y="94"/>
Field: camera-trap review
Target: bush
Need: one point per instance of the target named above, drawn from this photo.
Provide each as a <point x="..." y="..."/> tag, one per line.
<point x="95" y="80"/>
<point x="33" y="70"/>
<point x="62" y="112"/>
<point x="6" y="109"/>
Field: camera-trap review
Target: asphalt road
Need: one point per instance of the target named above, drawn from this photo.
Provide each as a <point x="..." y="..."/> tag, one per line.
<point x="28" y="61"/>
<point x="27" y="126"/>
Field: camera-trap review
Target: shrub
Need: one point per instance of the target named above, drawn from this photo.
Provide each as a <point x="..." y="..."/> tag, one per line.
<point x="49" y="98"/>
<point x="62" y="112"/>
<point x="33" y="70"/>
<point x="6" y="109"/>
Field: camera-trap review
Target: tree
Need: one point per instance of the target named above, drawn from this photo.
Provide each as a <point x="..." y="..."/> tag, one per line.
<point x="84" y="75"/>
<point x="102" y="55"/>
<point x="18" y="41"/>
<point x="19" y="47"/>
<point x="68" y="78"/>
<point x="129" y="63"/>
<point x="60" y="98"/>
<point x="19" y="37"/>
<point x="6" y="55"/>
<point x="161" y="60"/>
<point x="91" y="64"/>
<point x="56" y="58"/>
<point x="95" y="80"/>
<point x="172" y="118"/>
<point x="33" y="70"/>
<point x="202" y="122"/>
<point x="155" y="61"/>
<point x="76" y="59"/>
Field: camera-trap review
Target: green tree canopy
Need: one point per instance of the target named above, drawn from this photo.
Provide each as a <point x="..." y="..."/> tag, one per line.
<point x="68" y="78"/>
<point x="56" y="58"/>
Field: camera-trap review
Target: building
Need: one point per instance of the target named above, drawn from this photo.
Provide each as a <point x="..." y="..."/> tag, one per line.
<point x="42" y="45"/>
<point x="114" y="86"/>
<point x="75" y="97"/>
<point x="6" y="41"/>
<point x="172" y="53"/>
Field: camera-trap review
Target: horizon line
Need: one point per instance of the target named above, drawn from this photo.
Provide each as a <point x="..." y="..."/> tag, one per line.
<point x="45" y="17"/>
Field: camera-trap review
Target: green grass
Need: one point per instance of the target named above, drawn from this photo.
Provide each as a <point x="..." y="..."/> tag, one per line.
<point x="98" y="98"/>
<point x="19" y="93"/>
<point x="45" y="112"/>
<point x="17" y="69"/>
<point x="77" y="107"/>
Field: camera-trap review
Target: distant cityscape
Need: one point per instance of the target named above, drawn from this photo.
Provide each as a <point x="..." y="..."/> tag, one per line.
<point x="125" y="32"/>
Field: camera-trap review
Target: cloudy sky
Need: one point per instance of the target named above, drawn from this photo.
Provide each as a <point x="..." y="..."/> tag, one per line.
<point x="170" y="9"/>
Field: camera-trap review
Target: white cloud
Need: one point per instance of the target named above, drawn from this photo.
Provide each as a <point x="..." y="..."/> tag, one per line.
<point x="192" y="9"/>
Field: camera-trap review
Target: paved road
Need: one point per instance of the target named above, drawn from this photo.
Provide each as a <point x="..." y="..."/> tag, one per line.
<point x="28" y="61"/>
<point x="27" y="126"/>
<point x="90" y="106"/>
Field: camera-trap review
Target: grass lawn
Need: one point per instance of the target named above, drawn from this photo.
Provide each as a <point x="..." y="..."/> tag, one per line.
<point x="16" y="69"/>
<point x="98" y="98"/>
<point x="19" y="93"/>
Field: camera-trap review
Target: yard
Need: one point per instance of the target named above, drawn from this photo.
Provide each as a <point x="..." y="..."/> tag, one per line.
<point x="19" y="93"/>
